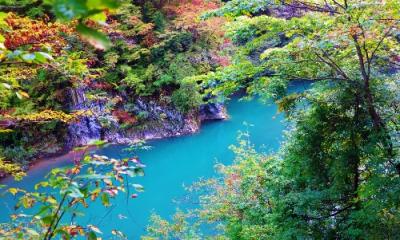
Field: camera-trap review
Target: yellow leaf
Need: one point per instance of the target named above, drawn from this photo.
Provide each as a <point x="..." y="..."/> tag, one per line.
<point x="13" y="191"/>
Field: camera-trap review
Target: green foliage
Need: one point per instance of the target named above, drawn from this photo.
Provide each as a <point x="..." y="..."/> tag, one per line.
<point x="187" y="97"/>
<point x="81" y="10"/>
<point x="146" y="70"/>
<point x="159" y="21"/>
<point x="337" y="175"/>
<point x="11" y="168"/>
<point x="228" y="80"/>
<point x="18" y="154"/>
<point x="175" y="42"/>
<point x="142" y="115"/>
<point x="236" y="8"/>
<point x="97" y="39"/>
<point x="42" y="61"/>
<point x="5" y="95"/>
<point x="178" y="229"/>
<point x="31" y="8"/>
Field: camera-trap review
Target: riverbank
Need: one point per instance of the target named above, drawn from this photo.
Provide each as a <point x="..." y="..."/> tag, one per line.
<point x="170" y="164"/>
<point x="83" y="142"/>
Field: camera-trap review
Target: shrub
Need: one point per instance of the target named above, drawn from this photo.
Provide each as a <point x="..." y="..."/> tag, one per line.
<point x="18" y="154"/>
<point x="187" y="98"/>
<point x="143" y="115"/>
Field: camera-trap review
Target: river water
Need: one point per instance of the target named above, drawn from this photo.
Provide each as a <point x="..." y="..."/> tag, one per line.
<point x="171" y="164"/>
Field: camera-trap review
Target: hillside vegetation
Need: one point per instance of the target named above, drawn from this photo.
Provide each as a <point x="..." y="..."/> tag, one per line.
<point x="59" y="71"/>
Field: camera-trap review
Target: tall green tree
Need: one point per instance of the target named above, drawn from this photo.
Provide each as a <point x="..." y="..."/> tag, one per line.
<point x="337" y="176"/>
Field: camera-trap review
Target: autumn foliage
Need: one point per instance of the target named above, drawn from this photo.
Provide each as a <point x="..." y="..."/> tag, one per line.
<point x="124" y="117"/>
<point x="187" y="16"/>
<point x="35" y="33"/>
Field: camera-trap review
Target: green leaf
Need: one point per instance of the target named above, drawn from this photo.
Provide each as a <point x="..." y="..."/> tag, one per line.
<point x="98" y="143"/>
<point x="139" y="172"/>
<point x="74" y="192"/>
<point x="42" y="57"/>
<point x="99" y="17"/>
<point x="26" y="201"/>
<point x="65" y="235"/>
<point x="93" y="176"/>
<point x="92" y="236"/>
<point x="47" y="219"/>
<point x="14" y="54"/>
<point x="51" y="200"/>
<point x="101" y="4"/>
<point x="41" y="184"/>
<point x="3" y="16"/>
<point x="42" y="210"/>
<point x="69" y="9"/>
<point x="105" y="200"/>
<point x="28" y="57"/>
<point x="19" y="95"/>
<point x="13" y="191"/>
<point x="94" y="37"/>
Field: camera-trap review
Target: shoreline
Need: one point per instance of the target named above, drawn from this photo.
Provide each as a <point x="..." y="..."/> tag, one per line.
<point x="73" y="155"/>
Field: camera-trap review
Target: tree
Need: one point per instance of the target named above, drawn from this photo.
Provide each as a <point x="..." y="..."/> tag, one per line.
<point x="337" y="175"/>
<point x="187" y="97"/>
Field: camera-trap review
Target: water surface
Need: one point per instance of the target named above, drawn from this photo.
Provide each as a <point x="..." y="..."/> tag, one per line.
<point x="172" y="163"/>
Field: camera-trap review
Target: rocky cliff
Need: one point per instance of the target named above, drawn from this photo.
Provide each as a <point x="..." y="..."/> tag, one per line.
<point x="155" y="121"/>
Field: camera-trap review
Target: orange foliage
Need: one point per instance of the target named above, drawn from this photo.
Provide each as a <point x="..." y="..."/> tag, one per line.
<point x="124" y="117"/>
<point x="99" y="85"/>
<point x="145" y="31"/>
<point x="187" y="16"/>
<point x="182" y="7"/>
<point x="221" y="60"/>
<point x="149" y="39"/>
<point x="25" y="31"/>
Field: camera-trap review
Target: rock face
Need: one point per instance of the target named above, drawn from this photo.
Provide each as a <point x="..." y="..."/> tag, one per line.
<point x="88" y="128"/>
<point x="212" y="111"/>
<point x="156" y="121"/>
<point x="159" y="122"/>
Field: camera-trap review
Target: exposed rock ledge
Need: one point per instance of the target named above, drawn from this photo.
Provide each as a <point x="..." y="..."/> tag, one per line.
<point x="160" y="122"/>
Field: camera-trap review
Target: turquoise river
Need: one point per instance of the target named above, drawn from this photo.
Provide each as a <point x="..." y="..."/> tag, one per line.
<point x="171" y="164"/>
